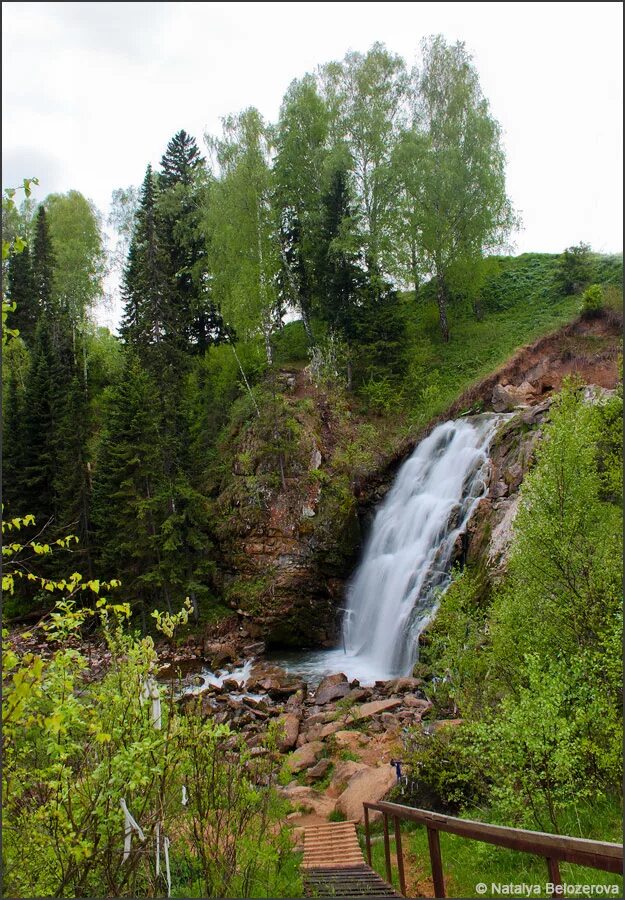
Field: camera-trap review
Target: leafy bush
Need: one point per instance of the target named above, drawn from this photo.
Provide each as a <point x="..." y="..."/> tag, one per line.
<point x="75" y="748"/>
<point x="445" y="770"/>
<point x="592" y="301"/>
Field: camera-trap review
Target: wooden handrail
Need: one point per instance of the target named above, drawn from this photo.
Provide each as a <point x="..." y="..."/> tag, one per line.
<point x="555" y="848"/>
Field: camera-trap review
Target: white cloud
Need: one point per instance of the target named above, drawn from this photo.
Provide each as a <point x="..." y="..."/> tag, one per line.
<point x="93" y="91"/>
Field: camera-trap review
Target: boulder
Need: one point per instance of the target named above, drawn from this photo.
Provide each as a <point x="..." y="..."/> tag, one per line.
<point x="507" y="397"/>
<point x="319" y="770"/>
<point x="219" y="654"/>
<point x="304" y="757"/>
<point x="350" y="740"/>
<point x="403" y="685"/>
<point x="330" y="728"/>
<point x="342" y="775"/>
<point x="366" y="786"/>
<point x="274" y="681"/>
<point x="332" y="687"/>
<point x="417" y="703"/>
<point x="389" y="721"/>
<point x="290" y="732"/>
<point x="374" y="708"/>
<point x="310" y="799"/>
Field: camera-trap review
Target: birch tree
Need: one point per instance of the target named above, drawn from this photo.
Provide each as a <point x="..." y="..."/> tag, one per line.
<point x="243" y="249"/>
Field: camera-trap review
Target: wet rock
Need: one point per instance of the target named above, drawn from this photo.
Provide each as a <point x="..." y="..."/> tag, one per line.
<point x="274" y="681"/>
<point x="498" y="490"/>
<point x="366" y="786"/>
<point x="305" y="757"/>
<point x="513" y="476"/>
<point x="219" y="654"/>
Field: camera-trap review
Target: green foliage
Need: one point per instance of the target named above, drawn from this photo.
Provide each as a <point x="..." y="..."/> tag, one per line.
<point x="446" y="772"/>
<point x="75" y="748"/>
<point x="79" y="257"/>
<point x="592" y="301"/>
<point x="563" y="586"/>
<point x="574" y="268"/>
<point x="535" y="666"/>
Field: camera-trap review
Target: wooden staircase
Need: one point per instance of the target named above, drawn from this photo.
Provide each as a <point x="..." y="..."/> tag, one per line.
<point x="333" y="864"/>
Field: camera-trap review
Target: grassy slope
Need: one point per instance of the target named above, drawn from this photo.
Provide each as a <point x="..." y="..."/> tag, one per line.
<point x="521" y="302"/>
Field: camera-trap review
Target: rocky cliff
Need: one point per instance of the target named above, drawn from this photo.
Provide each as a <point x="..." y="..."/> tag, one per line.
<point x="289" y="550"/>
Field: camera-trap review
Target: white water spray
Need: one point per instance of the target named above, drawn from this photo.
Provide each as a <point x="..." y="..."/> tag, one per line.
<point x="395" y="591"/>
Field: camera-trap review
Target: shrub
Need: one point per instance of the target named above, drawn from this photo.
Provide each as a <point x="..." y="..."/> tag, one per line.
<point x="592" y="301"/>
<point x="75" y="748"/>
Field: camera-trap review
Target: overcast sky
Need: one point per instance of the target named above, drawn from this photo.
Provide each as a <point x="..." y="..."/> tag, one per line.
<point x="92" y="92"/>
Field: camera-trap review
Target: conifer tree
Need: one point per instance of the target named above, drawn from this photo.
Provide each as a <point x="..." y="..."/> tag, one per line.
<point x="149" y="321"/>
<point x="183" y="194"/>
<point x="181" y="162"/>
<point x="12" y="449"/>
<point x="340" y="270"/>
<point x="43" y="263"/>
<point x="37" y="493"/>
<point x="21" y="291"/>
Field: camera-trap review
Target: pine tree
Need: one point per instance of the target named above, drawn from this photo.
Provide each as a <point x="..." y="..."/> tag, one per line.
<point x="21" y="291"/>
<point x="150" y="524"/>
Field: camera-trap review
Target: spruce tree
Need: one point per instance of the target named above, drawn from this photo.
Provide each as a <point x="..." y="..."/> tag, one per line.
<point x="149" y="319"/>
<point x="43" y="263"/>
<point x="181" y="161"/>
<point x="182" y="198"/>
<point x="12" y="449"/>
<point x="37" y="492"/>
<point x="21" y="291"/>
<point x="340" y="272"/>
<point x="126" y="485"/>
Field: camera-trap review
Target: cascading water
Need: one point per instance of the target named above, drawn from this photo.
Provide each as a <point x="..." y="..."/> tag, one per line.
<point x="395" y="590"/>
<point x="406" y="564"/>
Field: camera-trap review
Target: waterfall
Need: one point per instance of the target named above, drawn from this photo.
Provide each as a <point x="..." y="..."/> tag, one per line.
<point x="406" y="563"/>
